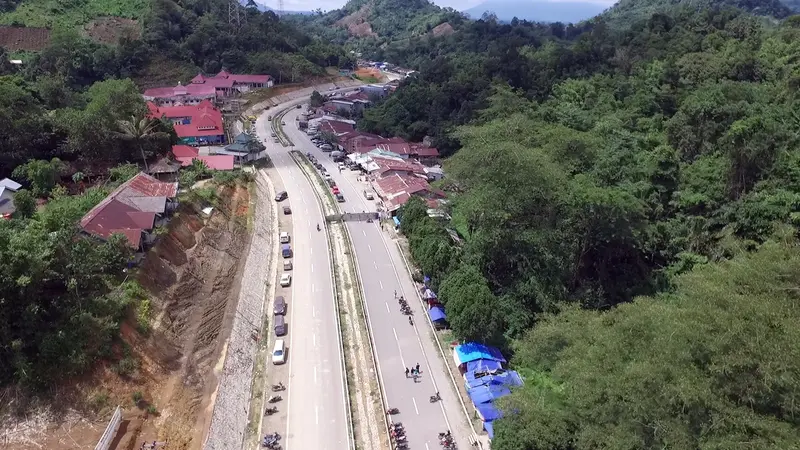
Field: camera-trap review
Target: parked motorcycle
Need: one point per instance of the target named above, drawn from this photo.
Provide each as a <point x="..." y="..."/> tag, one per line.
<point x="278" y="387"/>
<point x="274" y="398"/>
<point x="270" y="411"/>
<point x="445" y="435"/>
<point x="392" y="411"/>
<point x="435" y="398"/>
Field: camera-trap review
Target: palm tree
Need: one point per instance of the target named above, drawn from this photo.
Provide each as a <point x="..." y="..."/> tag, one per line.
<point x="139" y="129"/>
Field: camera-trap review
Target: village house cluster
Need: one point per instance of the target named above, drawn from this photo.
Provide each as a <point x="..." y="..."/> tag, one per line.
<point x="145" y="202"/>
<point x="396" y="169"/>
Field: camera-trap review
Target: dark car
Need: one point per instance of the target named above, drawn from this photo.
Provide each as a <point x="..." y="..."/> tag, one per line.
<point x="280" y="306"/>
<point x="340" y="198"/>
<point x="287" y="210"/>
<point x="281" y="196"/>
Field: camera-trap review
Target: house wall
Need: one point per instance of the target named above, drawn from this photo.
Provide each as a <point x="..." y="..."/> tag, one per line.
<point x="7" y="202"/>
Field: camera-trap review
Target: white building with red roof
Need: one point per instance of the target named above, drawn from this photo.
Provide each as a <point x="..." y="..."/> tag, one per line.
<point x="199" y="124"/>
<point x="132" y="210"/>
<point x="202" y="87"/>
<point x="395" y="190"/>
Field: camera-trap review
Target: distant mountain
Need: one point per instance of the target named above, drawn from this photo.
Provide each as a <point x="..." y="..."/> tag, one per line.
<point x="628" y="11"/>
<point x="537" y="10"/>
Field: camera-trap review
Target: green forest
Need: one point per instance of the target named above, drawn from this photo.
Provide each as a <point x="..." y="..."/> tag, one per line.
<point x="627" y="201"/>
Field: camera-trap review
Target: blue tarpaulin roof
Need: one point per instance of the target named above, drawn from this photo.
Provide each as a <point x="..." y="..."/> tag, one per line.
<point x="486" y="394"/>
<point x="396" y="221"/>
<point x="472" y="351"/>
<point x="489" y="412"/>
<point x="489" y="429"/>
<point x="437" y="313"/>
<point x="483" y="365"/>
<point x="506" y="378"/>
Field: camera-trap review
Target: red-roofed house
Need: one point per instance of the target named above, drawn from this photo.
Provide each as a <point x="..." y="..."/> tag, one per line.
<point x="388" y="167"/>
<point x="395" y="190"/>
<point x="133" y="210"/>
<point x="336" y="127"/>
<point x="221" y="85"/>
<point x="196" y="124"/>
<point x="213" y="162"/>
<point x="184" y="151"/>
<point x="191" y="94"/>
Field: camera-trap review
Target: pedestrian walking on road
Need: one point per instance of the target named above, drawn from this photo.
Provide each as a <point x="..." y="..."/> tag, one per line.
<point x="406" y="372"/>
<point x="395" y="293"/>
<point x="417" y="368"/>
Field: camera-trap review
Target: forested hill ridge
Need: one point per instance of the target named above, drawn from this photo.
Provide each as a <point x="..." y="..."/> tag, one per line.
<point x="628" y="205"/>
<point x="625" y="12"/>
<point x="159" y="42"/>
<point x="370" y="23"/>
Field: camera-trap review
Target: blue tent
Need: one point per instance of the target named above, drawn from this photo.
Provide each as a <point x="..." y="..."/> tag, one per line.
<point x="489" y="412"/>
<point x="489" y="429"/>
<point x="483" y="365"/>
<point x="472" y="351"/>
<point x="504" y="378"/>
<point x="437" y="313"/>
<point x="396" y="221"/>
<point x="487" y="394"/>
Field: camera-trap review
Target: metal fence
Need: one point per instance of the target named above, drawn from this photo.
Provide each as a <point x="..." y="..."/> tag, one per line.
<point x="352" y="217"/>
<point x="111" y="431"/>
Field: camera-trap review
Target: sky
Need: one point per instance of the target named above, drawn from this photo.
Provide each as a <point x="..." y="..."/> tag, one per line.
<point x="327" y="5"/>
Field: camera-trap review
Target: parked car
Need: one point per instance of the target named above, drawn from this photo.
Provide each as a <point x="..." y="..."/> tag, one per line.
<point x="284" y="237"/>
<point x="286" y="280"/>
<point x="287" y="210"/>
<point x="340" y="198"/>
<point x="279" y="324"/>
<point x="281" y="196"/>
<point x="279" y="352"/>
<point x="335" y="190"/>
<point x="368" y="195"/>
<point x="299" y="106"/>
<point x="279" y="307"/>
<point x="287" y="265"/>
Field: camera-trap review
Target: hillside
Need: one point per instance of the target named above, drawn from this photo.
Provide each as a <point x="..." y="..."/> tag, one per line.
<point x="377" y="22"/>
<point x="537" y="11"/>
<point x="626" y="12"/>
<point x="162" y="41"/>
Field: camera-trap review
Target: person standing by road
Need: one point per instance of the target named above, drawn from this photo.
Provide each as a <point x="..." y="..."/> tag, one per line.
<point x="417" y="368"/>
<point x="406" y="372"/>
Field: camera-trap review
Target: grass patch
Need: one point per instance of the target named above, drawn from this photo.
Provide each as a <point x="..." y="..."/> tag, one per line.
<point x="69" y="14"/>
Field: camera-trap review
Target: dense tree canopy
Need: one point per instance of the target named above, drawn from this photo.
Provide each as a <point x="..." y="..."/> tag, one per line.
<point x="594" y="167"/>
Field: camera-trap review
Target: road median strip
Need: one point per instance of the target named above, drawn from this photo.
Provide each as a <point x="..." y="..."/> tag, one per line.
<point x="365" y="392"/>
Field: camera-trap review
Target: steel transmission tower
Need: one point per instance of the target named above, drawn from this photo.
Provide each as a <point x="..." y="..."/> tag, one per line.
<point x="236" y="14"/>
<point x="280" y="8"/>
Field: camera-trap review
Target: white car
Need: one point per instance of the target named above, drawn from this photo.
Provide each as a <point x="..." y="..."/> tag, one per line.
<point x="279" y="352"/>
<point x="286" y="279"/>
<point x="285" y="237"/>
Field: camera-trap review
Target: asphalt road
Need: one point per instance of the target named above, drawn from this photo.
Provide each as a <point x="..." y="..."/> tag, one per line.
<point x="314" y="399"/>
<point x="398" y="344"/>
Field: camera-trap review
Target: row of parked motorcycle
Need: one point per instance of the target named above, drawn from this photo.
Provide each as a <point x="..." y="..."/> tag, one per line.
<point x="397" y="433"/>
<point x="270" y="441"/>
<point x="270" y="410"/>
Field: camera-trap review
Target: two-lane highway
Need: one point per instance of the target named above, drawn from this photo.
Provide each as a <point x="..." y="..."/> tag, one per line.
<point x="315" y="386"/>
<point x="399" y="345"/>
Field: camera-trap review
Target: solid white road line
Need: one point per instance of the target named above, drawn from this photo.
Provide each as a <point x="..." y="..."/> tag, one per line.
<point x="398" y="348"/>
<point x="415" y="405"/>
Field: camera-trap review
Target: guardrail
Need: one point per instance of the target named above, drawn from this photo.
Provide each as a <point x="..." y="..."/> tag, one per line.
<point x="350" y="430"/>
<point x="111" y="431"/>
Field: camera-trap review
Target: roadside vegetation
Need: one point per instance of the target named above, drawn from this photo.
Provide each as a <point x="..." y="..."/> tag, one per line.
<point x="626" y="207"/>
